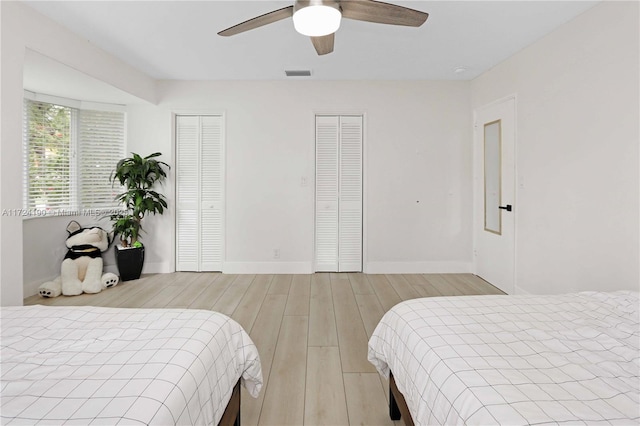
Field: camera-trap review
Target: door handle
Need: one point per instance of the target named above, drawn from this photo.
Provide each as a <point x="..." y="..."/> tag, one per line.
<point x="508" y="207"/>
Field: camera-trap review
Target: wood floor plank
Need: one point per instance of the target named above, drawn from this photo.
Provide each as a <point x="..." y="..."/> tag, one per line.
<point x="352" y="337"/>
<point x="461" y="285"/>
<point x="366" y="402"/>
<point x="166" y="295"/>
<point x="117" y="295"/>
<point x="248" y="308"/>
<point x="264" y="334"/>
<point x="322" y="321"/>
<point x="281" y="284"/>
<point x="414" y="279"/>
<point x="359" y="283"/>
<point x="427" y="291"/>
<point x="299" y="294"/>
<point x="284" y="399"/>
<point x="217" y="285"/>
<point x="325" y="401"/>
<point x="186" y="278"/>
<point x="437" y="282"/>
<point x="230" y="299"/>
<point x="385" y="387"/>
<point x="338" y="276"/>
<point x="197" y="284"/>
<point x="370" y="310"/>
<point x="250" y="407"/>
<point x="403" y="288"/>
<point x="183" y="279"/>
<point x="422" y="285"/>
<point x="148" y="290"/>
<point x="266" y="329"/>
<point x="481" y="285"/>
<point x="385" y="291"/>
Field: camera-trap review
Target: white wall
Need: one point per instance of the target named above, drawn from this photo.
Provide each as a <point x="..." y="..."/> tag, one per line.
<point x="417" y="169"/>
<point x="149" y="130"/>
<point x="21" y="29"/>
<point x="577" y="222"/>
<point x="10" y="158"/>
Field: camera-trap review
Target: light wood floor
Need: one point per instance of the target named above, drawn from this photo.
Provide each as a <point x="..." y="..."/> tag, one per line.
<point x="311" y="332"/>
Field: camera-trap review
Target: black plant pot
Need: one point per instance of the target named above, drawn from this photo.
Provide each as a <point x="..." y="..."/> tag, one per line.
<point x="129" y="261"/>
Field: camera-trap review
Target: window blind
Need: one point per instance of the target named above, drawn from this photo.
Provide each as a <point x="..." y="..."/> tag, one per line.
<point x="100" y="147"/>
<point x="69" y="156"/>
<point x="48" y="151"/>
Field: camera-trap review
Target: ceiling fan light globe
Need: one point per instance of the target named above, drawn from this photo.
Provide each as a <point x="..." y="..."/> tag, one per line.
<point x="317" y="20"/>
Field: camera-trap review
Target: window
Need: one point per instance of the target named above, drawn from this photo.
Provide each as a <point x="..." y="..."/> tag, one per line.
<point x="70" y="152"/>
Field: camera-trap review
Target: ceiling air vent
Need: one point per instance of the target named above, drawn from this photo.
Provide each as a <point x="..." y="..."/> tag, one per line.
<point x="298" y="73"/>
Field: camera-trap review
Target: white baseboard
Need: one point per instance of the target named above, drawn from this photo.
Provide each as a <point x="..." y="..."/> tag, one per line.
<point x="267" y="268"/>
<point x="418" y="267"/>
<point x="154" y="268"/>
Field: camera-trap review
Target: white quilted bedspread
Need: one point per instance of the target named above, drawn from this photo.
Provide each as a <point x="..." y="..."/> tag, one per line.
<point x="86" y="365"/>
<point x="483" y="360"/>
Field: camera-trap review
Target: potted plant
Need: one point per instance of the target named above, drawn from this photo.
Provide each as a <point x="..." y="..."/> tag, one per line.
<point x="137" y="175"/>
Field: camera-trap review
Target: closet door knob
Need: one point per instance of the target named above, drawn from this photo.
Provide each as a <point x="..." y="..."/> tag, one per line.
<point x="508" y="207"/>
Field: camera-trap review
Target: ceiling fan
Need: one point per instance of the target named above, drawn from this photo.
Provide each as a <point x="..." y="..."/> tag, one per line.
<point x="320" y="19"/>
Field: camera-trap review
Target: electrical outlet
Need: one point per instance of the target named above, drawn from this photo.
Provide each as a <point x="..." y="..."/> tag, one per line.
<point x="276" y="253"/>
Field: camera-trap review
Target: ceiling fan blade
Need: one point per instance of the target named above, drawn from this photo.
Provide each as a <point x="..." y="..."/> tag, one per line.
<point x="259" y="21"/>
<point x="323" y="44"/>
<point x="382" y="13"/>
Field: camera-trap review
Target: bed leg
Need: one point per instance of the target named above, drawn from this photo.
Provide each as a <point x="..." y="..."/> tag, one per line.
<point x="394" y="411"/>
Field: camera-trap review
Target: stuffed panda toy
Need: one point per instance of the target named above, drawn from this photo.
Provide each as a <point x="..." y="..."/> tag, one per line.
<point x="81" y="270"/>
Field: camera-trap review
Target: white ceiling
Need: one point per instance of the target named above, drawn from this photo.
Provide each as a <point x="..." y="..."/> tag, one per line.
<point x="178" y="39"/>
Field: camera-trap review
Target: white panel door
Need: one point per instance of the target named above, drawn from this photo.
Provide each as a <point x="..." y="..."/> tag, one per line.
<point x="327" y="136"/>
<point x="339" y="193"/>
<point x="200" y="193"/>
<point x="211" y="193"/>
<point x="495" y="139"/>
<point x="187" y="193"/>
<point x="350" y="195"/>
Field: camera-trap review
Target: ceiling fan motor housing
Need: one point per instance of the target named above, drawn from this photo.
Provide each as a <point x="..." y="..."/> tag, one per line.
<point x="301" y="4"/>
<point x="316" y="18"/>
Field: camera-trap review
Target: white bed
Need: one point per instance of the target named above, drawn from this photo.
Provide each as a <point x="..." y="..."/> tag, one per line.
<point x="514" y="359"/>
<point x="88" y="365"/>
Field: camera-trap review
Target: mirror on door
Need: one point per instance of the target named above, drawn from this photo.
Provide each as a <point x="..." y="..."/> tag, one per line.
<point x="492" y="177"/>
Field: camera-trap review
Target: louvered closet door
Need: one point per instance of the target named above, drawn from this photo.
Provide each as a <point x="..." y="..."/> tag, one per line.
<point x="327" y="136"/>
<point x="187" y="191"/>
<point x="211" y="191"/>
<point x="200" y="195"/>
<point x="339" y="193"/>
<point x="350" y="195"/>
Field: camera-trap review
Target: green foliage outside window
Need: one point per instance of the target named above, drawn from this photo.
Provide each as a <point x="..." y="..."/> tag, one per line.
<point x="49" y="141"/>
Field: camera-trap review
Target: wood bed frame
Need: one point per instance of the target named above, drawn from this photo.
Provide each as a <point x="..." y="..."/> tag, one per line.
<point x="397" y="404"/>
<point x="231" y="415"/>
